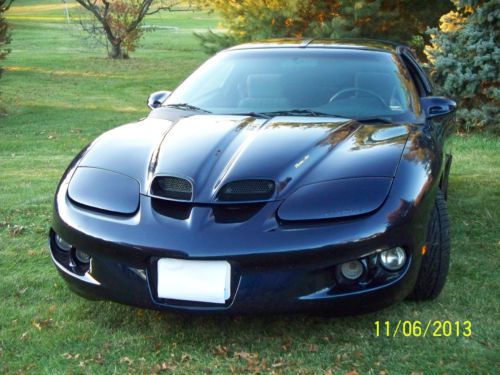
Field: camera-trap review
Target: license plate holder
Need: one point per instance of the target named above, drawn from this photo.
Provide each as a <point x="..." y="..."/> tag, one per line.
<point x="194" y="280"/>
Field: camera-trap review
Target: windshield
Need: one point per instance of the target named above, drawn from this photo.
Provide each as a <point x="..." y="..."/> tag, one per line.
<point x="349" y="83"/>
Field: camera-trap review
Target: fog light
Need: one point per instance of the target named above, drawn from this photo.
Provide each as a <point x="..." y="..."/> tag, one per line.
<point x="82" y="256"/>
<point x="352" y="270"/>
<point x="393" y="259"/>
<point x="61" y="244"/>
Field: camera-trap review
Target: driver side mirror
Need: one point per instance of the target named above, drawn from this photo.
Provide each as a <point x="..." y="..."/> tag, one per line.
<point x="435" y="106"/>
<point x="156" y="99"/>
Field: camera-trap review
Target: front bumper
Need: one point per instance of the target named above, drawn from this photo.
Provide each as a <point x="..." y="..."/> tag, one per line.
<point x="311" y="286"/>
<point x="275" y="267"/>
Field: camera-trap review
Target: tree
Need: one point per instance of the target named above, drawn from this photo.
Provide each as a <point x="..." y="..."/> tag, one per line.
<point x="464" y="53"/>
<point x="4" y="30"/>
<point x="120" y="21"/>
<point x="4" y="35"/>
<point x="248" y="20"/>
<point x="402" y="20"/>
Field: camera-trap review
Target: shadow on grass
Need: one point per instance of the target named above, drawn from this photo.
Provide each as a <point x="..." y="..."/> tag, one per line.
<point x="207" y="331"/>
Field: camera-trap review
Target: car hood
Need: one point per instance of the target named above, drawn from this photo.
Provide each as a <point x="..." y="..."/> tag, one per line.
<point x="211" y="150"/>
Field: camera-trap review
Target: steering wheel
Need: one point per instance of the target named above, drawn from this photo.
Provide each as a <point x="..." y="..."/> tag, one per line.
<point x="355" y="89"/>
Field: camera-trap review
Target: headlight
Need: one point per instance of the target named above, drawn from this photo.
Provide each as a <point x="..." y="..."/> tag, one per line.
<point x="393" y="259"/>
<point x="82" y="256"/>
<point x="352" y="270"/>
<point x="336" y="199"/>
<point x="61" y="244"/>
<point x="104" y="190"/>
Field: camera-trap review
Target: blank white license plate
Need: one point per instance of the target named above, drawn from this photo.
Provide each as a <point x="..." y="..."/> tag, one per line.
<point x="194" y="280"/>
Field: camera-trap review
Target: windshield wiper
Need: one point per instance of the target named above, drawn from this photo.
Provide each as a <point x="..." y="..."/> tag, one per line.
<point x="374" y="119"/>
<point x="299" y="112"/>
<point x="187" y="106"/>
<point x="254" y="114"/>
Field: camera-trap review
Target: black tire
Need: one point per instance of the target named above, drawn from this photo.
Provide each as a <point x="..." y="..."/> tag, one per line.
<point x="435" y="263"/>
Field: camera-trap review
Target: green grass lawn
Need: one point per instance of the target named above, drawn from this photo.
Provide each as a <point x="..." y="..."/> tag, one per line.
<point x="60" y="93"/>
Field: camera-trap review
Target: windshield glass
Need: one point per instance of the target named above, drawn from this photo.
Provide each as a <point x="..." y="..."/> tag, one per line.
<point x="348" y="83"/>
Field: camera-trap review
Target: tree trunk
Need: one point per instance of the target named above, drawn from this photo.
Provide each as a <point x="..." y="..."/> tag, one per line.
<point x="116" y="51"/>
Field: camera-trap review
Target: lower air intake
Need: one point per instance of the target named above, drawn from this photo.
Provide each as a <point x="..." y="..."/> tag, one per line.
<point x="172" y="188"/>
<point x="246" y="191"/>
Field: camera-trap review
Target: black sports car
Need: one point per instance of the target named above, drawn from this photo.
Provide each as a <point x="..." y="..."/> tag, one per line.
<point x="283" y="175"/>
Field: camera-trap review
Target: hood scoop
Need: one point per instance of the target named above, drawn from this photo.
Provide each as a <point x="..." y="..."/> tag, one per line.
<point x="247" y="191"/>
<point x="172" y="188"/>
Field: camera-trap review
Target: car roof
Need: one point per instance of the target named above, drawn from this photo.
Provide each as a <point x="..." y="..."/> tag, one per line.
<point x="359" y="44"/>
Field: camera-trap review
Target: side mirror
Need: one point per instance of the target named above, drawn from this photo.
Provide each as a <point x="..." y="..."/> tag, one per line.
<point x="156" y="99"/>
<point x="435" y="106"/>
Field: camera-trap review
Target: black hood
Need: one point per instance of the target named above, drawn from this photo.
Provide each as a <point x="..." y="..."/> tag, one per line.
<point x="211" y="150"/>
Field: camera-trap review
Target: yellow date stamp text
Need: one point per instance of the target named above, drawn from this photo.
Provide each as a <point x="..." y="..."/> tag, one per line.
<point x="417" y="328"/>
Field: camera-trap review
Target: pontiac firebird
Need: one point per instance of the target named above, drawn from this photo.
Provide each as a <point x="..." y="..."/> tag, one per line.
<point x="284" y="175"/>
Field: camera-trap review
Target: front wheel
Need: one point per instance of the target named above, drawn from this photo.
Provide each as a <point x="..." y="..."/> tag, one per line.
<point x="436" y="261"/>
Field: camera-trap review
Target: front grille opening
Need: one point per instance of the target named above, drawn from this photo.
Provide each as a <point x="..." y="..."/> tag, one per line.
<point x="173" y="209"/>
<point x="172" y="188"/>
<point x="226" y="214"/>
<point x="247" y="190"/>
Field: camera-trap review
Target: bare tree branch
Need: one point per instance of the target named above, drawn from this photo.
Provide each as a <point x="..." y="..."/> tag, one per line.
<point x="120" y="20"/>
<point x="164" y="7"/>
<point x="5" y="5"/>
<point x="142" y="13"/>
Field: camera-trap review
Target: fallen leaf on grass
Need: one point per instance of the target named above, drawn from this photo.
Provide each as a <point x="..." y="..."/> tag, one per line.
<point x="99" y="359"/>
<point x="161" y="367"/>
<point x="352" y="372"/>
<point x="15" y="230"/>
<point x="287" y="342"/>
<point x="245" y="355"/>
<point x="250" y="358"/>
<point x="221" y="350"/>
<point x="20" y="292"/>
<point x="277" y="364"/>
<point x="71" y="356"/>
<point x="126" y="360"/>
<point x="39" y="324"/>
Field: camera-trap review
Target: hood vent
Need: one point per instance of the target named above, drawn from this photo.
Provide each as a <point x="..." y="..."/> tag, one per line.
<point x="174" y="188"/>
<point x="246" y="191"/>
